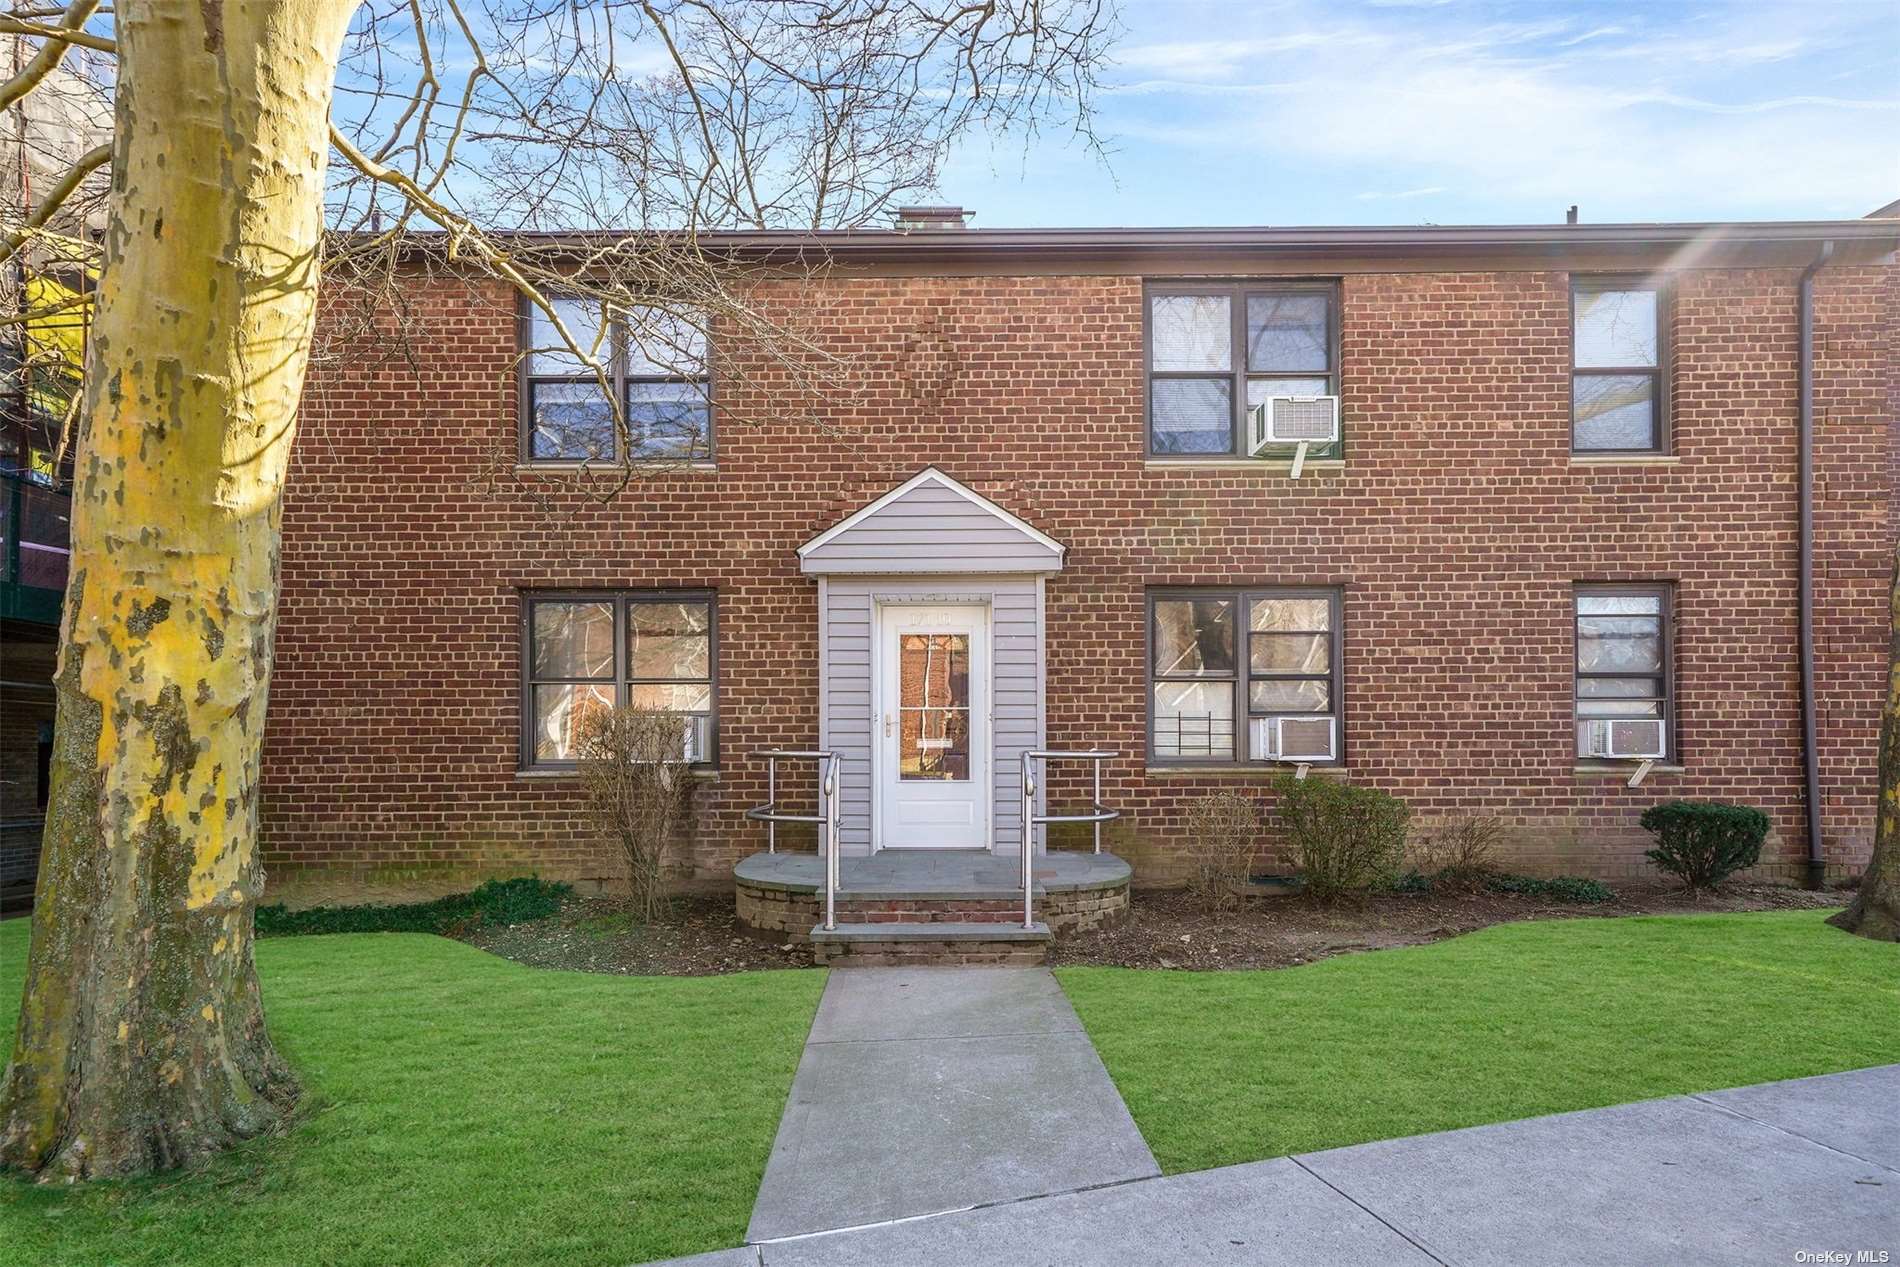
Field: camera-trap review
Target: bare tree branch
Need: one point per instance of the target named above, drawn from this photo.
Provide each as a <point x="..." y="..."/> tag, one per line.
<point x="55" y="198"/>
<point x="50" y="55"/>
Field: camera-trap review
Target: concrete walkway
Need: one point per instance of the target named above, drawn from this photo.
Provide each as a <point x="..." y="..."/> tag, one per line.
<point x="923" y="1090"/>
<point x="1754" y="1175"/>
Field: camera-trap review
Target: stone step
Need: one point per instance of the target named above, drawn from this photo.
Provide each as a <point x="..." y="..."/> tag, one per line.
<point x="968" y="910"/>
<point x="893" y="944"/>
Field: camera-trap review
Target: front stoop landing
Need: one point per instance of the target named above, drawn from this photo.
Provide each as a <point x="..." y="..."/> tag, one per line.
<point x="898" y="908"/>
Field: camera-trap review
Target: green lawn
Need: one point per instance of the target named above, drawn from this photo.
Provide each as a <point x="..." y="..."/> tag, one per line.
<point x="465" y="1110"/>
<point x="1511" y="1022"/>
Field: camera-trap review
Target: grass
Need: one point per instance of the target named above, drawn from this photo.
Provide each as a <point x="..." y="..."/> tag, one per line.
<point x="1511" y="1022"/>
<point x="464" y="1110"/>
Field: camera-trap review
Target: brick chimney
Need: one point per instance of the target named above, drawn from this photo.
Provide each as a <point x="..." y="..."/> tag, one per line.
<point x="932" y="218"/>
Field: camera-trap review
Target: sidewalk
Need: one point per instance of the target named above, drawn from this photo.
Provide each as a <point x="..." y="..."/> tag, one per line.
<point x="1752" y="1175"/>
<point x="923" y="1090"/>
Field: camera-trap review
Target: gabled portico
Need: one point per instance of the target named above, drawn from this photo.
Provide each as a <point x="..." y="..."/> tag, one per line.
<point x="930" y="636"/>
<point x="931" y="705"/>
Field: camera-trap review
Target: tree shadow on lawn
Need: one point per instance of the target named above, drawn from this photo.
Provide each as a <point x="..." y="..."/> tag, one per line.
<point x="462" y="1109"/>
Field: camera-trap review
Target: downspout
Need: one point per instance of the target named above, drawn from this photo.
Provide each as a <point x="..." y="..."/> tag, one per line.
<point x="1810" y="749"/>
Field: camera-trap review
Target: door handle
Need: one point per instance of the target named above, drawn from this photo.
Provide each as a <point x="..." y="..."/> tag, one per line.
<point x="887" y="725"/>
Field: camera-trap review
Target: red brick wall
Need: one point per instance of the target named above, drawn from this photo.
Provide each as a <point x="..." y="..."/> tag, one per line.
<point x="1457" y="528"/>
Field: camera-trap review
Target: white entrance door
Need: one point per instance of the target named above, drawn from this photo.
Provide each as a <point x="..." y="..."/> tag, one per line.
<point x="933" y="727"/>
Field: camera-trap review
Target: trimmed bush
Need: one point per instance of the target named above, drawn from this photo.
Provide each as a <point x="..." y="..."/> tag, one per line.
<point x="516" y="901"/>
<point x="1565" y="888"/>
<point x="1346" y="837"/>
<point x="1705" y="842"/>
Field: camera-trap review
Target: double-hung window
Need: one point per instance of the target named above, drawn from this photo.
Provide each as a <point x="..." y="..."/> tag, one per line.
<point x="1216" y="350"/>
<point x="1624" y="671"/>
<point x="584" y="654"/>
<point x="1228" y="669"/>
<point x="652" y="359"/>
<point x="1619" y="387"/>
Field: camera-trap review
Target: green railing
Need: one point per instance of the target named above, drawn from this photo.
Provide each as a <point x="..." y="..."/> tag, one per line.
<point x="35" y="529"/>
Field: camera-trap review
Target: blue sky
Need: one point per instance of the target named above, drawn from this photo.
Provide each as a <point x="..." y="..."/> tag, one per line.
<point x="1443" y="111"/>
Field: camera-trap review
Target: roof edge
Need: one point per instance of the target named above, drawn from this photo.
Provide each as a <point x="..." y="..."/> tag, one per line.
<point x="845" y="244"/>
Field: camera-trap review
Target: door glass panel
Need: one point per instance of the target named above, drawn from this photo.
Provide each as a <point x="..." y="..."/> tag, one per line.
<point x="933" y="696"/>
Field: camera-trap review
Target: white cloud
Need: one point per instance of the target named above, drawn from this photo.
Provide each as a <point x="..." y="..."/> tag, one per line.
<point x="1550" y="108"/>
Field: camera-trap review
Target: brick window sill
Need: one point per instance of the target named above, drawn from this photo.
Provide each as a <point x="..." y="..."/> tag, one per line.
<point x="1252" y="772"/>
<point x="1259" y="466"/>
<point x="1625" y="459"/>
<point x="536" y="776"/>
<point x="657" y="466"/>
<point x="1623" y="770"/>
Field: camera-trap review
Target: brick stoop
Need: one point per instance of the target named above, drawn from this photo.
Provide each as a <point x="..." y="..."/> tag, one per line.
<point x="889" y="945"/>
<point x="779" y="896"/>
<point x="904" y="909"/>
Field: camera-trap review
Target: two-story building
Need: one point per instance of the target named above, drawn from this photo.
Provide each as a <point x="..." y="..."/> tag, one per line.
<point x="1564" y="496"/>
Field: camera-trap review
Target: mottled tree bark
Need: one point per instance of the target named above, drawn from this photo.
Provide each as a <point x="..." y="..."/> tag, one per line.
<point x="1875" y="911"/>
<point x="142" y="1041"/>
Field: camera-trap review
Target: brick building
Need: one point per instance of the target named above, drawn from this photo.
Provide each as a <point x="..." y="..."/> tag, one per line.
<point x="1567" y="490"/>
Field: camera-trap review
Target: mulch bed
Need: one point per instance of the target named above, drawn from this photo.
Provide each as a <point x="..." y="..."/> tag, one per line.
<point x="1170" y="930"/>
<point x="702" y="937"/>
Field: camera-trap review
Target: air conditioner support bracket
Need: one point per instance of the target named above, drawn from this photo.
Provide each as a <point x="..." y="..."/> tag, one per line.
<point x="1642" y="772"/>
<point x="1299" y="462"/>
<point x="1299" y="771"/>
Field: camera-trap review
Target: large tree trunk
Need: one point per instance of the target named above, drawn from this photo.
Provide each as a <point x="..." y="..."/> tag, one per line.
<point x="1875" y="911"/>
<point x="142" y="1041"/>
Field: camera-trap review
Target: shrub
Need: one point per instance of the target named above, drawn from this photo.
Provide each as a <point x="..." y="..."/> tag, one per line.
<point x="1222" y="828"/>
<point x="1459" y="855"/>
<point x="1565" y="888"/>
<point x="1704" y="842"/>
<point x="634" y="774"/>
<point x="516" y="901"/>
<point x="1345" y="837"/>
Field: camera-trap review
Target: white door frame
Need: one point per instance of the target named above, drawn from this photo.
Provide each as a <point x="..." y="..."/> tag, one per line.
<point x="981" y="709"/>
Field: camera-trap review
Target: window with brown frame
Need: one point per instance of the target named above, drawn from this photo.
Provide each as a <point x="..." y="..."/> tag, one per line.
<point x="585" y="653"/>
<point x="1225" y="664"/>
<point x="1217" y="349"/>
<point x="652" y="358"/>
<point x="1624" y="661"/>
<point x="1619" y="385"/>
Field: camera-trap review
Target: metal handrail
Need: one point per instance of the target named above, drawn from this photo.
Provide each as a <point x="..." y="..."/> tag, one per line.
<point x="826" y="817"/>
<point x="1099" y="813"/>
